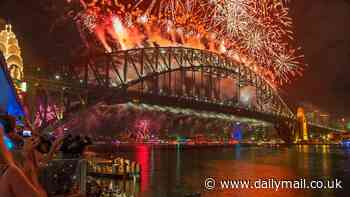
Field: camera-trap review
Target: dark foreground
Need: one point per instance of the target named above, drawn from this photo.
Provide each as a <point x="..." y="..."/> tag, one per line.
<point x="181" y="171"/>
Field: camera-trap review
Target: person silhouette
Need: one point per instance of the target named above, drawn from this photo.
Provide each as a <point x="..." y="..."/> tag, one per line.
<point x="13" y="181"/>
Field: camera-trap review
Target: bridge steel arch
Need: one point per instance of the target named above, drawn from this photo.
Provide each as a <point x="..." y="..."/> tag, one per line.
<point x="156" y="70"/>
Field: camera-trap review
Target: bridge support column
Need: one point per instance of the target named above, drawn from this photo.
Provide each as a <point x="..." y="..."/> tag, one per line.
<point x="302" y="132"/>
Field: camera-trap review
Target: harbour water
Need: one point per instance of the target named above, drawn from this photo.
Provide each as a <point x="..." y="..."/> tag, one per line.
<point x="181" y="171"/>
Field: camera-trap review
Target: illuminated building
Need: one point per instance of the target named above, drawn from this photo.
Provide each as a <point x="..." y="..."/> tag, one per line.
<point x="325" y="119"/>
<point x="12" y="52"/>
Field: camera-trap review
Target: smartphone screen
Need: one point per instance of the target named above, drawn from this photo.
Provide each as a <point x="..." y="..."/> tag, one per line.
<point x="27" y="133"/>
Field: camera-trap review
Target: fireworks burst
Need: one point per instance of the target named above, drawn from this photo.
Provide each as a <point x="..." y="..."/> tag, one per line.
<point x="256" y="30"/>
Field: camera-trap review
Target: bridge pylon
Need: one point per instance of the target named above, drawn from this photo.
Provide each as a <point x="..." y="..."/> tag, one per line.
<point x="301" y="133"/>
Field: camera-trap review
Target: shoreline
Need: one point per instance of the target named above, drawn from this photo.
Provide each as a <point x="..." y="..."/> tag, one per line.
<point x="175" y="146"/>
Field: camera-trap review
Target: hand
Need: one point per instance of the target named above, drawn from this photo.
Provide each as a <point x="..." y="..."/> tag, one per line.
<point x="31" y="143"/>
<point x="15" y="137"/>
<point x="56" y="144"/>
<point x="54" y="148"/>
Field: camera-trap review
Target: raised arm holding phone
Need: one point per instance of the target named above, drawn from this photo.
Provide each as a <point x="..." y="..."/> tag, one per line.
<point x="13" y="181"/>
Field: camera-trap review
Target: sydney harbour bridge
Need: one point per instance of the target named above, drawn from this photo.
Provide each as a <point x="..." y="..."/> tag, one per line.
<point x="168" y="76"/>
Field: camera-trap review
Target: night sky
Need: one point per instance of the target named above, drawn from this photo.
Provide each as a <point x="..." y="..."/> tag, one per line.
<point x="322" y="29"/>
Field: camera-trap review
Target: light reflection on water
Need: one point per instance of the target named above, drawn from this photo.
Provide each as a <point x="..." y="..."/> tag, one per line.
<point x="177" y="171"/>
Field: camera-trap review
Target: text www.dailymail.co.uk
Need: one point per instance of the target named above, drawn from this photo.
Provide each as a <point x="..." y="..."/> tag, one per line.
<point x="211" y="183"/>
